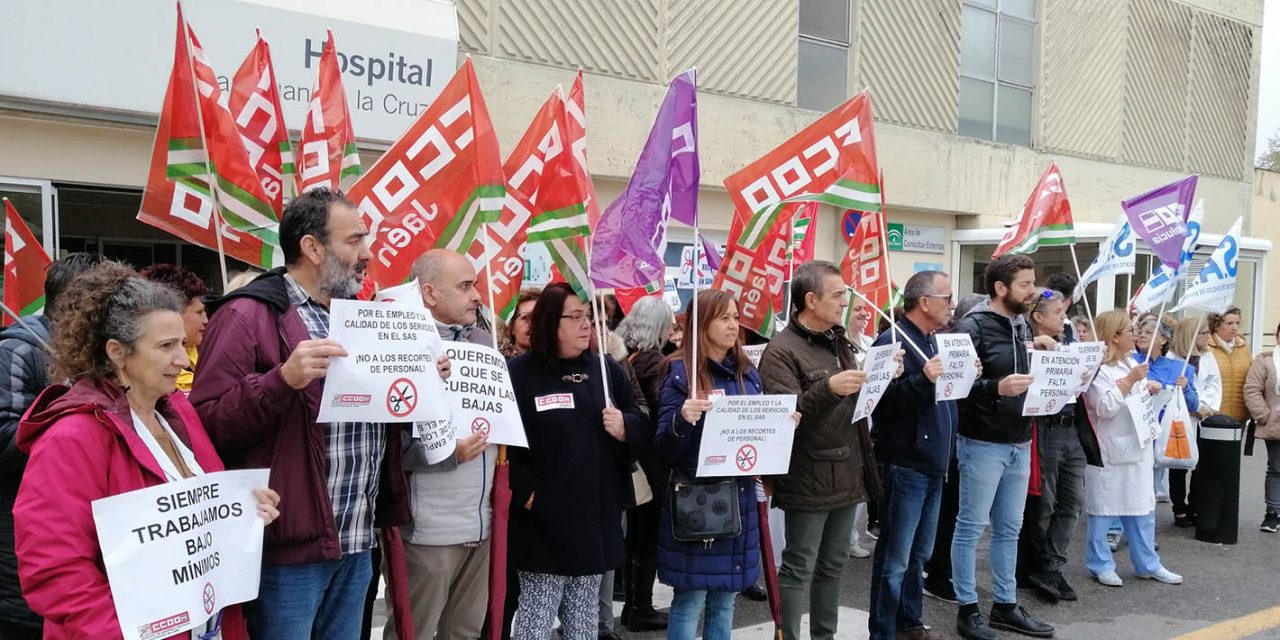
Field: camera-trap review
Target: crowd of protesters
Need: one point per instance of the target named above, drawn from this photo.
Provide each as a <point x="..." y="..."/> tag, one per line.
<point x="132" y="379"/>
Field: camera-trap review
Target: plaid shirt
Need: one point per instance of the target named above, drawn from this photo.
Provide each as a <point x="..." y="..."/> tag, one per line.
<point x="353" y="449"/>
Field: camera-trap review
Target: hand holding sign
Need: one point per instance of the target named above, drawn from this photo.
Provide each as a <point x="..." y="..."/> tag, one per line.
<point x="847" y="383"/>
<point x="1014" y="384"/>
<point x="310" y="361"/>
<point x="933" y="369"/>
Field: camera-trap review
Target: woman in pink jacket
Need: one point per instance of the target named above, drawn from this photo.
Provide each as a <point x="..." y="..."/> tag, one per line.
<point x="120" y="426"/>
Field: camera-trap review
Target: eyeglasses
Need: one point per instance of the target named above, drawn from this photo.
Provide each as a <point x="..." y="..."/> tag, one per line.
<point x="940" y="296"/>
<point x="579" y="317"/>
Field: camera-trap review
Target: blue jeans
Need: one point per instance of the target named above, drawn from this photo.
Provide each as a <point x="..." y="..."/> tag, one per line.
<point x="1141" y="531"/>
<point x="993" y="489"/>
<point x="908" y="522"/>
<point x="687" y="607"/>
<point x="321" y="600"/>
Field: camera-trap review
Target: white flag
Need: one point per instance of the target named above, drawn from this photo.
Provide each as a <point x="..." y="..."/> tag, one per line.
<point x="1215" y="285"/>
<point x="1163" y="282"/>
<point x="1115" y="256"/>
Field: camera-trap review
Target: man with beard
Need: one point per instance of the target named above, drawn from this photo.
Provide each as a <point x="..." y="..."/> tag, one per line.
<point x="257" y="389"/>
<point x="993" y="452"/>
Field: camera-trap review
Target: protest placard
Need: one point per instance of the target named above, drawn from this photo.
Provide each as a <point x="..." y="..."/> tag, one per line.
<point x="389" y="374"/>
<point x="880" y="366"/>
<point x="1091" y="358"/>
<point x="1142" y="408"/>
<point x="1055" y="378"/>
<point x="959" y="366"/>
<point x="481" y="396"/>
<point x="754" y="352"/>
<point x="177" y="553"/>
<point x="747" y="436"/>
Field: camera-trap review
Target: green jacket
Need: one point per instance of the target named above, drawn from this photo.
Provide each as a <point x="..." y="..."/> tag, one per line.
<point x="831" y="461"/>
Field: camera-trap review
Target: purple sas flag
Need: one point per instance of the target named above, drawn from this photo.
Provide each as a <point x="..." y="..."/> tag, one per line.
<point x="1159" y="217"/>
<point x="629" y="242"/>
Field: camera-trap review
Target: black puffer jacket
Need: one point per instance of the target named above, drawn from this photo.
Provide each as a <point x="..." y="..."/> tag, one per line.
<point x="1002" y="344"/>
<point x="831" y="461"/>
<point x="24" y="365"/>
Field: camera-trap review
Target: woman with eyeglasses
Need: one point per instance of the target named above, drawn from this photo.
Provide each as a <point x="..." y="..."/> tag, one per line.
<point x="569" y="488"/>
<point x="1122" y="487"/>
<point x="1065" y="445"/>
<point x="1190" y="339"/>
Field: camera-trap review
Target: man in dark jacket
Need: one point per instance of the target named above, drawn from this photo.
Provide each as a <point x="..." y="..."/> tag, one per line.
<point x="24" y="373"/>
<point x="257" y="390"/>
<point x="993" y="452"/>
<point x="832" y="469"/>
<point x="913" y="436"/>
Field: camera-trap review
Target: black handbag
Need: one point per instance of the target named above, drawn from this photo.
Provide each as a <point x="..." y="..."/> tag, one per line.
<point x="703" y="509"/>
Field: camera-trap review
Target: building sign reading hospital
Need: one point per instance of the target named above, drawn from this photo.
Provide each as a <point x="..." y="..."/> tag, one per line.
<point x="113" y="58"/>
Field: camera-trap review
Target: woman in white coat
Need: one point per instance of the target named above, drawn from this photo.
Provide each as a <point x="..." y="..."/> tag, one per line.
<point x="1121" y="488"/>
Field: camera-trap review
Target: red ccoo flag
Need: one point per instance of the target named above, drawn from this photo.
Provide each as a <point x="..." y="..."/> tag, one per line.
<point x="24" y="264"/>
<point x="327" y="151"/>
<point x="255" y="105"/>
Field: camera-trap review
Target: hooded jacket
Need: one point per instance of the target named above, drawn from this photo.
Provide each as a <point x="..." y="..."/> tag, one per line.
<point x="1002" y="343"/>
<point x="84" y="447"/>
<point x="832" y="465"/>
<point x="24" y="373"/>
<point x="257" y="420"/>
<point x="910" y="428"/>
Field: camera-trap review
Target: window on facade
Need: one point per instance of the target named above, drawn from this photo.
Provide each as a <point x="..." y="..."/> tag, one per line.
<point x="823" y="54"/>
<point x="998" y="70"/>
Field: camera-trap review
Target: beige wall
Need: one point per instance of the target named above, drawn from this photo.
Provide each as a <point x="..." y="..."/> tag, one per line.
<point x="1266" y="207"/>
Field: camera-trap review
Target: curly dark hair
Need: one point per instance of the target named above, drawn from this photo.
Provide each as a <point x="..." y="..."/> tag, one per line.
<point x="187" y="283"/>
<point x="106" y="302"/>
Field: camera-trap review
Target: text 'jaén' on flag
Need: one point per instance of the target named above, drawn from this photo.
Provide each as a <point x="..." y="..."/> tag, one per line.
<point x="327" y="152"/>
<point x="628" y="244"/>
<point x="24" y="265"/>
<point x="1044" y="220"/>
<point x="1215" y="286"/>
<point x="180" y="194"/>
<point x="1159" y="217"/>
<point x="436" y="185"/>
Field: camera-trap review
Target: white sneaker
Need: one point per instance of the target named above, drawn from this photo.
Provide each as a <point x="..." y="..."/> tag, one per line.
<point x="1109" y="579"/>
<point x="856" y="551"/>
<point x="1163" y="575"/>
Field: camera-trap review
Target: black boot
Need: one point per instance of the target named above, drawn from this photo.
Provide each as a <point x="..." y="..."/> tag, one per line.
<point x="639" y="614"/>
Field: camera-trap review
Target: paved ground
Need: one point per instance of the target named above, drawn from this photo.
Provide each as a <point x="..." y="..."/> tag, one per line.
<point x="1222" y="584"/>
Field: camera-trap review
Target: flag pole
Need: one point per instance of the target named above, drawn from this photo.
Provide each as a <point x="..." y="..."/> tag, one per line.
<point x="791" y="263"/>
<point x="597" y="312"/>
<point x="908" y="339"/>
<point x="884" y="235"/>
<point x="18" y="319"/>
<point x="218" y="222"/>
<point x="488" y="284"/>
<point x="1159" y="320"/>
<point x="1084" y="295"/>
<point x="692" y="317"/>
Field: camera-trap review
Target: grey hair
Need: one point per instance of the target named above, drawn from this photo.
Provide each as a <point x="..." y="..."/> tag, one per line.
<point x="1162" y="327"/>
<point x="429" y="266"/>
<point x="808" y="278"/>
<point x="134" y="299"/>
<point x="967" y="303"/>
<point x="647" y="326"/>
<point x="918" y="286"/>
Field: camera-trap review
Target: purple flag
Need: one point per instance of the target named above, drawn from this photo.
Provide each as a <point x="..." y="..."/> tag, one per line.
<point x="1159" y="217"/>
<point x="711" y="254"/>
<point x="629" y="242"/>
